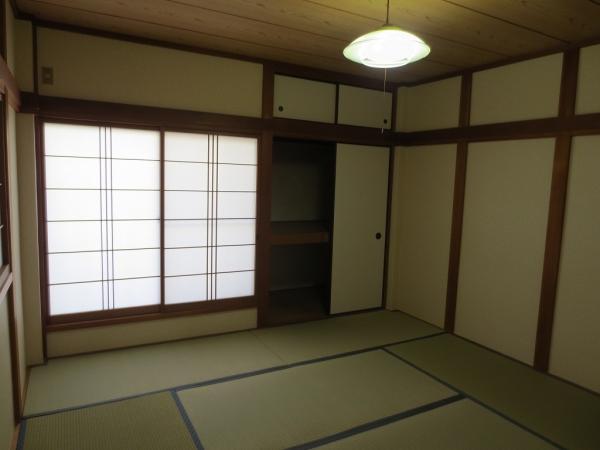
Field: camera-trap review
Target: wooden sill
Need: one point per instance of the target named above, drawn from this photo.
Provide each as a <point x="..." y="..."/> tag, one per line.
<point x="297" y="233"/>
<point x="144" y="313"/>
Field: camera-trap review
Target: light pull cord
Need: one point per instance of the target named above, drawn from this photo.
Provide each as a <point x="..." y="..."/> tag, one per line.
<point x="383" y="97"/>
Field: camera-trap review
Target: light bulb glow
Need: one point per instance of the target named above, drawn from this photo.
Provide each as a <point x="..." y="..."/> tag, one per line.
<point x="386" y="47"/>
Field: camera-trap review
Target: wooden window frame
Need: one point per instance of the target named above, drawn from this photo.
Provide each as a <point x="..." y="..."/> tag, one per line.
<point x="147" y="312"/>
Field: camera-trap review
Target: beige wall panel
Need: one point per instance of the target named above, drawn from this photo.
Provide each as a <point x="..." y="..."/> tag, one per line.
<point x="503" y="241"/>
<point x="364" y="107"/>
<point x="24" y="55"/>
<point x="126" y="335"/>
<point x="15" y="232"/>
<point x="7" y="424"/>
<point x="361" y="184"/>
<point x="420" y="230"/>
<point x="30" y="274"/>
<point x="575" y="352"/>
<point x="10" y="36"/>
<point x="520" y="91"/>
<point x="95" y="68"/>
<point x="588" y="84"/>
<point x="296" y="98"/>
<point x="429" y="106"/>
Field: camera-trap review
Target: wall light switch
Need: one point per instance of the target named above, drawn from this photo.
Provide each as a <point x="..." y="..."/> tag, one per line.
<point x="47" y="75"/>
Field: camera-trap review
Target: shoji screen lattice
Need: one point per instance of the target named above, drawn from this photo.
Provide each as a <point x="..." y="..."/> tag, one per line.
<point x="210" y="216"/>
<point x="103" y="210"/>
<point x="103" y="217"/>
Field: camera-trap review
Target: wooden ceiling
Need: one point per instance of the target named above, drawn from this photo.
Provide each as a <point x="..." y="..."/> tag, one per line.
<point x="461" y="33"/>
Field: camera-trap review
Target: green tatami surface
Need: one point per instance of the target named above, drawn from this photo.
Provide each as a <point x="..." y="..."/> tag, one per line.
<point x="566" y="414"/>
<point x="310" y="340"/>
<point x="293" y="406"/>
<point x="328" y="383"/>
<point x="81" y="380"/>
<point x="152" y="422"/>
<point x="463" y="425"/>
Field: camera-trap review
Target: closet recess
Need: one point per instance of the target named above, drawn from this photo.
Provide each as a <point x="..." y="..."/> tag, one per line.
<point x="301" y="228"/>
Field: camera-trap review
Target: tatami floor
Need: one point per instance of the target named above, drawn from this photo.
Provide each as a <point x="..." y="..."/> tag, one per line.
<point x="378" y="380"/>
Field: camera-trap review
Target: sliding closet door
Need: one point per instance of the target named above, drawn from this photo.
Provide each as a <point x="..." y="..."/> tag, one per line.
<point x="361" y="186"/>
<point x="210" y="217"/>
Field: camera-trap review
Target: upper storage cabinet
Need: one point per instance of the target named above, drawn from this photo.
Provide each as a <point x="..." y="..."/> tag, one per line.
<point x="364" y="107"/>
<point x="520" y="91"/>
<point x="588" y="93"/>
<point x="296" y="98"/>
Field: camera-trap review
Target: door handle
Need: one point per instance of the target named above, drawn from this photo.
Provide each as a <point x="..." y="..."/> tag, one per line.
<point x="378" y="236"/>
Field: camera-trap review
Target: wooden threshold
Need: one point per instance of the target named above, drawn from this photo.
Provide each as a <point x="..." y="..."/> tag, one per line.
<point x="296" y="305"/>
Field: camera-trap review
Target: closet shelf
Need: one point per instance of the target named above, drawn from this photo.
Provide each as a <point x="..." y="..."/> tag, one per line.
<point x="297" y="233"/>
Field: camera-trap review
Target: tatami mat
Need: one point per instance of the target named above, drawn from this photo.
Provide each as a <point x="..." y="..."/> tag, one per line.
<point x="463" y="425"/>
<point x="152" y="422"/>
<point x="321" y="338"/>
<point x="303" y="403"/>
<point x="85" y="379"/>
<point x="557" y="410"/>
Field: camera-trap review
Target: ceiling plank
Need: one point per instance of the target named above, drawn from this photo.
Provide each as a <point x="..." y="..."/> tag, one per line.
<point x="448" y="20"/>
<point x="569" y="20"/>
<point x="181" y="36"/>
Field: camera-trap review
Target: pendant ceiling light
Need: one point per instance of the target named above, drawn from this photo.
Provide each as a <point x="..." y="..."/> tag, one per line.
<point x="388" y="46"/>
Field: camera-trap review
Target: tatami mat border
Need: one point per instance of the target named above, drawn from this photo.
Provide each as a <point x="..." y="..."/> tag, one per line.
<point x="479" y="402"/>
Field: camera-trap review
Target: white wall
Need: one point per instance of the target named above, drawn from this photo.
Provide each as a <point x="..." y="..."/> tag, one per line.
<point x="429" y="106"/>
<point x="575" y="353"/>
<point x="96" y="68"/>
<point x="421" y="220"/>
<point x="507" y="197"/>
<point x="520" y="91"/>
<point x="85" y="340"/>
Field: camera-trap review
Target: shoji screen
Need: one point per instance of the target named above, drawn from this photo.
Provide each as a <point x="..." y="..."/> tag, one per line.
<point x="103" y="217"/>
<point x="210" y="217"/>
<point x="108" y="205"/>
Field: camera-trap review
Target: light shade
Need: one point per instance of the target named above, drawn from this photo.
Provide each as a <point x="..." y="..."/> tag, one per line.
<point x="386" y="47"/>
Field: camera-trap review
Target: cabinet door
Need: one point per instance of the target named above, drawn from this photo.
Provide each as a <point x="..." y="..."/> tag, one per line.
<point x="365" y="107"/>
<point x="361" y="186"/>
<point x="296" y="98"/>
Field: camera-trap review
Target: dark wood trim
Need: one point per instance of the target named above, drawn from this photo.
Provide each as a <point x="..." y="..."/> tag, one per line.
<point x="458" y="205"/>
<point x="466" y="87"/>
<point x="263" y="230"/>
<point x="15" y="357"/>
<point x="9" y="86"/>
<point x="558" y="195"/>
<point x="337" y="103"/>
<point x="527" y="129"/>
<point x="42" y="241"/>
<point x="388" y="222"/>
<point x="34" y="41"/>
<point x="341" y="134"/>
<point x="58" y="108"/>
<point x="556" y="214"/>
<point x="162" y="218"/>
<point x="145" y="313"/>
<point x="568" y="85"/>
<point x="268" y="91"/>
<point x="394" y="109"/>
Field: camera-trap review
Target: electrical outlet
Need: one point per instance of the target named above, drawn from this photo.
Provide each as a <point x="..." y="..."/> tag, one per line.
<point x="47" y="75"/>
